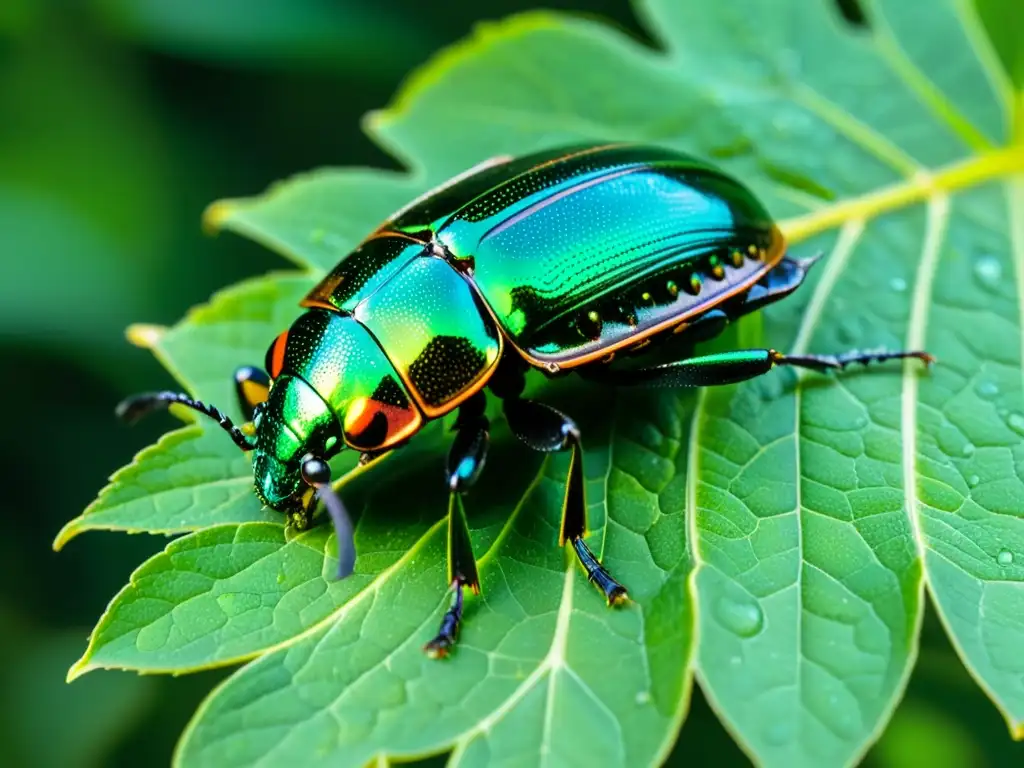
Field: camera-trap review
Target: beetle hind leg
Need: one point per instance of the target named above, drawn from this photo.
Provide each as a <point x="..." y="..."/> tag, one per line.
<point x="545" y="429"/>
<point x="823" y="363"/>
<point x="731" y="367"/>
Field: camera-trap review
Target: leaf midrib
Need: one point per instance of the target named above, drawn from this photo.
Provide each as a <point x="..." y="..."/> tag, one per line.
<point x="988" y="166"/>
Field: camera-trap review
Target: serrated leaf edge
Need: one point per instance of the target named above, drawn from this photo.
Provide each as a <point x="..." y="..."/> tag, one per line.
<point x="82" y="666"/>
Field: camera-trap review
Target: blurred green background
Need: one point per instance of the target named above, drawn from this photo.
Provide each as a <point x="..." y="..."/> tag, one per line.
<point x="119" y="121"/>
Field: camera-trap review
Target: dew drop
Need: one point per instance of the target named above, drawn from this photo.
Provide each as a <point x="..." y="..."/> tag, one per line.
<point x="741" y="616"/>
<point x="898" y="284"/>
<point x="987" y="389"/>
<point x="735" y="660"/>
<point x="779" y="734"/>
<point x="988" y="271"/>
<point x="643" y="697"/>
<point x="1005" y="557"/>
<point x="973" y="481"/>
<point x="968" y="449"/>
<point x="1016" y="422"/>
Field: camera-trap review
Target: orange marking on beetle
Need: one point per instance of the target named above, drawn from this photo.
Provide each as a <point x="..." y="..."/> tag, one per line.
<point x="277" y="355"/>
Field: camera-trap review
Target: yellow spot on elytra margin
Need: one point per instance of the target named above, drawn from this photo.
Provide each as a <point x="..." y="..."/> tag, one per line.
<point x="1017" y="732"/>
<point x="216" y="215"/>
<point x="248" y="429"/>
<point x="145" y="335"/>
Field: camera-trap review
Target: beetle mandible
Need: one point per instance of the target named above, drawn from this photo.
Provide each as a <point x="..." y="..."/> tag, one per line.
<point x="559" y="261"/>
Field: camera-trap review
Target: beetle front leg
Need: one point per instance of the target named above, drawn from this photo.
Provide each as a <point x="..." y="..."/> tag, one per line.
<point x="731" y="367"/>
<point x="543" y="428"/>
<point x="465" y="462"/>
<point x="252" y="386"/>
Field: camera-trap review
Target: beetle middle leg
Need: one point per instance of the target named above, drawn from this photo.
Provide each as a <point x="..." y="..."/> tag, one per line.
<point x="543" y="428"/>
<point x="465" y="462"/>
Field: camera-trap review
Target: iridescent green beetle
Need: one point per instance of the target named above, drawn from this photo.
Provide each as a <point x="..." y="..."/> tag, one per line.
<point x="558" y="261"/>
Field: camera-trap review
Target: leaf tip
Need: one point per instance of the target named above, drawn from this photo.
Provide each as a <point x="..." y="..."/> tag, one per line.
<point x="145" y="335"/>
<point x="78" y="669"/>
<point x="216" y="215"/>
<point x="66" y="534"/>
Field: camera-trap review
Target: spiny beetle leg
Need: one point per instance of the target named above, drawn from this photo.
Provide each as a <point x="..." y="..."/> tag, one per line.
<point x="444" y="641"/>
<point x="465" y="462"/>
<point x="469" y="449"/>
<point x="614" y="592"/>
<point x="824" y="363"/>
<point x="461" y="573"/>
<point x="702" y="371"/>
<point x="730" y="367"/>
<point x="545" y="429"/>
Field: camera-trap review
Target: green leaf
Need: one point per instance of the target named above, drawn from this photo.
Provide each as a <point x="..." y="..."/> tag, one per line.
<point x="796" y="520"/>
<point x="189" y="480"/>
<point x="315" y="219"/>
<point x="539" y="639"/>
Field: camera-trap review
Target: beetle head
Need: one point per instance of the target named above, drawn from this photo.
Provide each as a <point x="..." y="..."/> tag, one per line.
<point x="293" y="425"/>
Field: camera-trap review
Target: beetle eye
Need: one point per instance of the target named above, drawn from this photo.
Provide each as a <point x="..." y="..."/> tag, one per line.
<point x="315" y="472"/>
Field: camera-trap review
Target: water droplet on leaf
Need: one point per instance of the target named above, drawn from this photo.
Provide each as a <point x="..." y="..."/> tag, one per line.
<point x="973" y="480"/>
<point x="741" y="616"/>
<point x="989" y="271"/>
<point x="987" y="389"/>
<point x="968" y="449"/>
<point x="643" y="697"/>
<point x="1015" y="421"/>
<point x="1005" y="557"/>
<point x="898" y="284"/>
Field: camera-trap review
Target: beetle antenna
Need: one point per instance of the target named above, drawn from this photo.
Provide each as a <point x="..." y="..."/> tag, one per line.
<point x="134" y="408"/>
<point x="317" y="474"/>
<point x="342" y="529"/>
